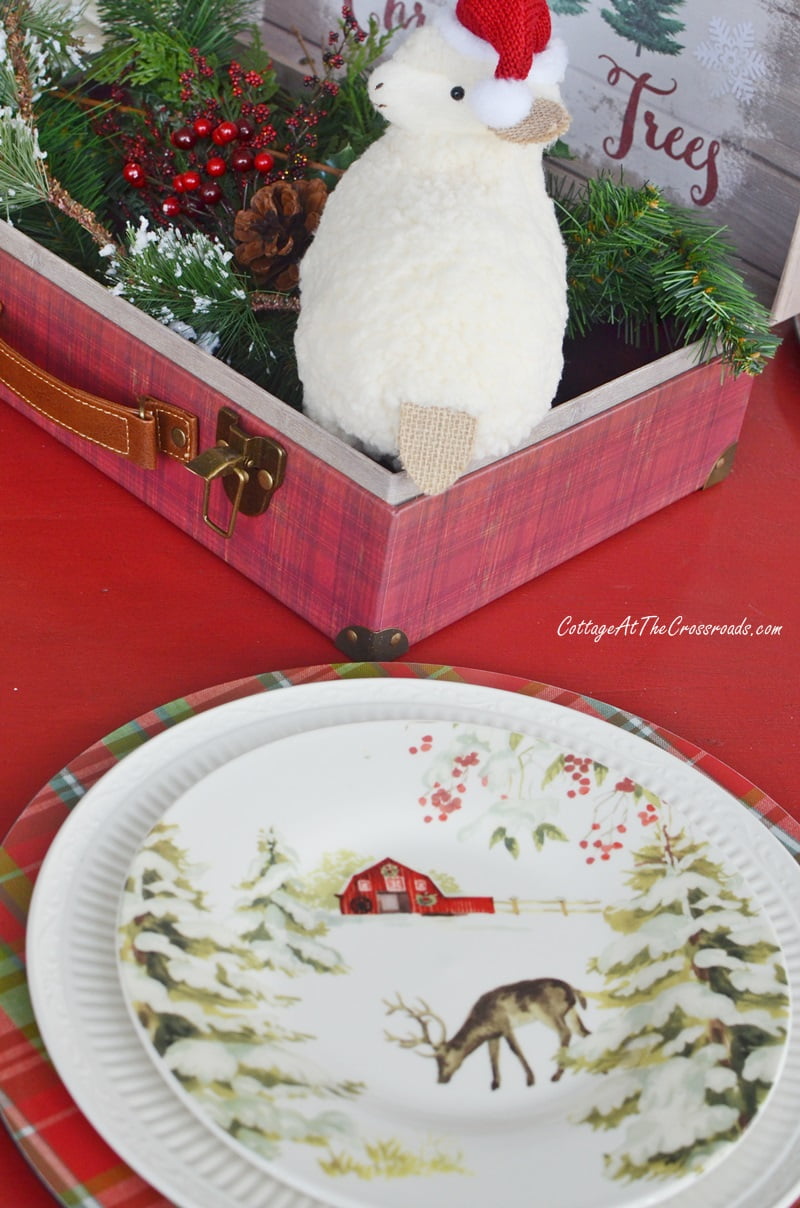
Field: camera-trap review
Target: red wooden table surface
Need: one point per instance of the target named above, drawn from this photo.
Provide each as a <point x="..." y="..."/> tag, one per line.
<point x="107" y="611"/>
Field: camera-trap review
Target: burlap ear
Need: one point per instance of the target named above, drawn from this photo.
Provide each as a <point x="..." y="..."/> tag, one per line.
<point x="435" y="445"/>
<point x="547" y="121"/>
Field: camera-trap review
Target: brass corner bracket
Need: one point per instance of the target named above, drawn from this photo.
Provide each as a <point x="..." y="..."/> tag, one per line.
<point x="721" y="467"/>
<point x="369" y="645"/>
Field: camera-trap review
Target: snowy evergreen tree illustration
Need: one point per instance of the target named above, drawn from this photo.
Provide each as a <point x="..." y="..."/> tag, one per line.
<point x="647" y="23"/>
<point x="281" y="929"/>
<point x="192" y="969"/>
<point x="698" y="1003"/>
<point x="198" y="989"/>
<point x="568" y="8"/>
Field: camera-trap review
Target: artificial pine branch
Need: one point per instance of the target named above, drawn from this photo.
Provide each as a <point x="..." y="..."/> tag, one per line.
<point x="149" y="40"/>
<point x="75" y="155"/>
<point x="64" y="238"/>
<point x="212" y="26"/>
<point x="634" y="259"/>
<point x="187" y="282"/>
<point x="23" y="180"/>
<point x="20" y="74"/>
<point x="62" y="200"/>
<point x="149" y="61"/>
<point x="24" y="176"/>
<point x="51" y="24"/>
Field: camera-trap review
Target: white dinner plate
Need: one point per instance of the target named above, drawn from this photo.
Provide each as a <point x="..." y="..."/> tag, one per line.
<point x="478" y="840"/>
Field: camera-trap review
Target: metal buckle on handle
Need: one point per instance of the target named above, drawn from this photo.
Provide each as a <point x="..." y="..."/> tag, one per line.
<point x="251" y="469"/>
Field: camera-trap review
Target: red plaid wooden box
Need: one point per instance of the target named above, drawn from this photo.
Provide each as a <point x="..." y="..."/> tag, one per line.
<point x="346" y="543"/>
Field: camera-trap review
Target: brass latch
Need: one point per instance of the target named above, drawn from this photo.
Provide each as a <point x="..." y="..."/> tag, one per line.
<point x="251" y="469"/>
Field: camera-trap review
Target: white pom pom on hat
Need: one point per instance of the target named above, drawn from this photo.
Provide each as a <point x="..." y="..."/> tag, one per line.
<point x="501" y="103"/>
<point x="514" y="34"/>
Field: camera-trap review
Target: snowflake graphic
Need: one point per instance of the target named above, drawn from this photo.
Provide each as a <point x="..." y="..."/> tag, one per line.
<point x="731" y="58"/>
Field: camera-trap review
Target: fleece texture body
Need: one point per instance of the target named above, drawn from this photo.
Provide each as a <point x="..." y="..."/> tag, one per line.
<point x="437" y="275"/>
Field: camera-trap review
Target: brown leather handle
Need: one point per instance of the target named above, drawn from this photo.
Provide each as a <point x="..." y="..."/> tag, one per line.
<point x="138" y="435"/>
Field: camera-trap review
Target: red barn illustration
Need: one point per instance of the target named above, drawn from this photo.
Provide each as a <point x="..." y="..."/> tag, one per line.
<point x="389" y="887"/>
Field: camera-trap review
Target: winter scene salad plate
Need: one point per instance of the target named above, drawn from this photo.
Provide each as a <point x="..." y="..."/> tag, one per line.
<point x="602" y="1001"/>
<point x="593" y="948"/>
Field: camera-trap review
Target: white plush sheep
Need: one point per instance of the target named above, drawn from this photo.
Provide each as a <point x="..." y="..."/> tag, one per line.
<point x="433" y="298"/>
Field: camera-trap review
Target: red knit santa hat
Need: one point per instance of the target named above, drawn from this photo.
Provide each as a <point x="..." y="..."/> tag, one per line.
<point x="517" y="30"/>
<point x="515" y="33"/>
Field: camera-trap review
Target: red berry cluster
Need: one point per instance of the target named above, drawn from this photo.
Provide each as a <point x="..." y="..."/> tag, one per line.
<point x="239" y="77"/>
<point x="350" y="24"/>
<point x="305" y="117"/>
<point x="578" y="767"/>
<point x="214" y="153"/>
<point x="442" y="800"/>
<point x="603" y="847"/>
<point x="202" y="70"/>
<point x="213" y="150"/>
<point x="606" y="829"/>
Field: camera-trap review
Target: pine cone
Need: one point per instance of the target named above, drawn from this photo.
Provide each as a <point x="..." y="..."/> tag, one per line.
<point x="275" y="231"/>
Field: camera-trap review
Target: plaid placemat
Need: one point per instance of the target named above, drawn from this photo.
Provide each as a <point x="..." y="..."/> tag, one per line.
<point x="72" y="1159"/>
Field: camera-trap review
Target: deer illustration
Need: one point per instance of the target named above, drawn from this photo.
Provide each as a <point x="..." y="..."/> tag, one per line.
<point x="491" y="1019"/>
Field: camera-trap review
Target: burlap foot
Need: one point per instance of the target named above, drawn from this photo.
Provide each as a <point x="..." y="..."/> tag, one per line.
<point x="546" y="122"/>
<point x="435" y="445"/>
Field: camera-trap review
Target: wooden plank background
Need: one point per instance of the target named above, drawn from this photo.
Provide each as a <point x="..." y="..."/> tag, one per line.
<point x="724" y="131"/>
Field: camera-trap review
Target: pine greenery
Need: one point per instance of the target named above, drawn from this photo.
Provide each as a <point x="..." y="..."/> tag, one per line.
<point x="23" y="180"/>
<point x="62" y="236"/>
<point x="31" y="65"/>
<point x="211" y="25"/>
<point x="147" y="42"/>
<point x="52" y="25"/>
<point x="75" y="157"/>
<point x="49" y="43"/>
<point x="635" y="260"/>
<point x="188" y="283"/>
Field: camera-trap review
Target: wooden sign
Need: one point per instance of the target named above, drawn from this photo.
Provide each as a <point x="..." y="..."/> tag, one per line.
<point x="701" y="97"/>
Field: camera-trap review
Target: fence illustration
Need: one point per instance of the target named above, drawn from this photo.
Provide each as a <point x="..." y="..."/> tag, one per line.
<point x="548" y="906"/>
